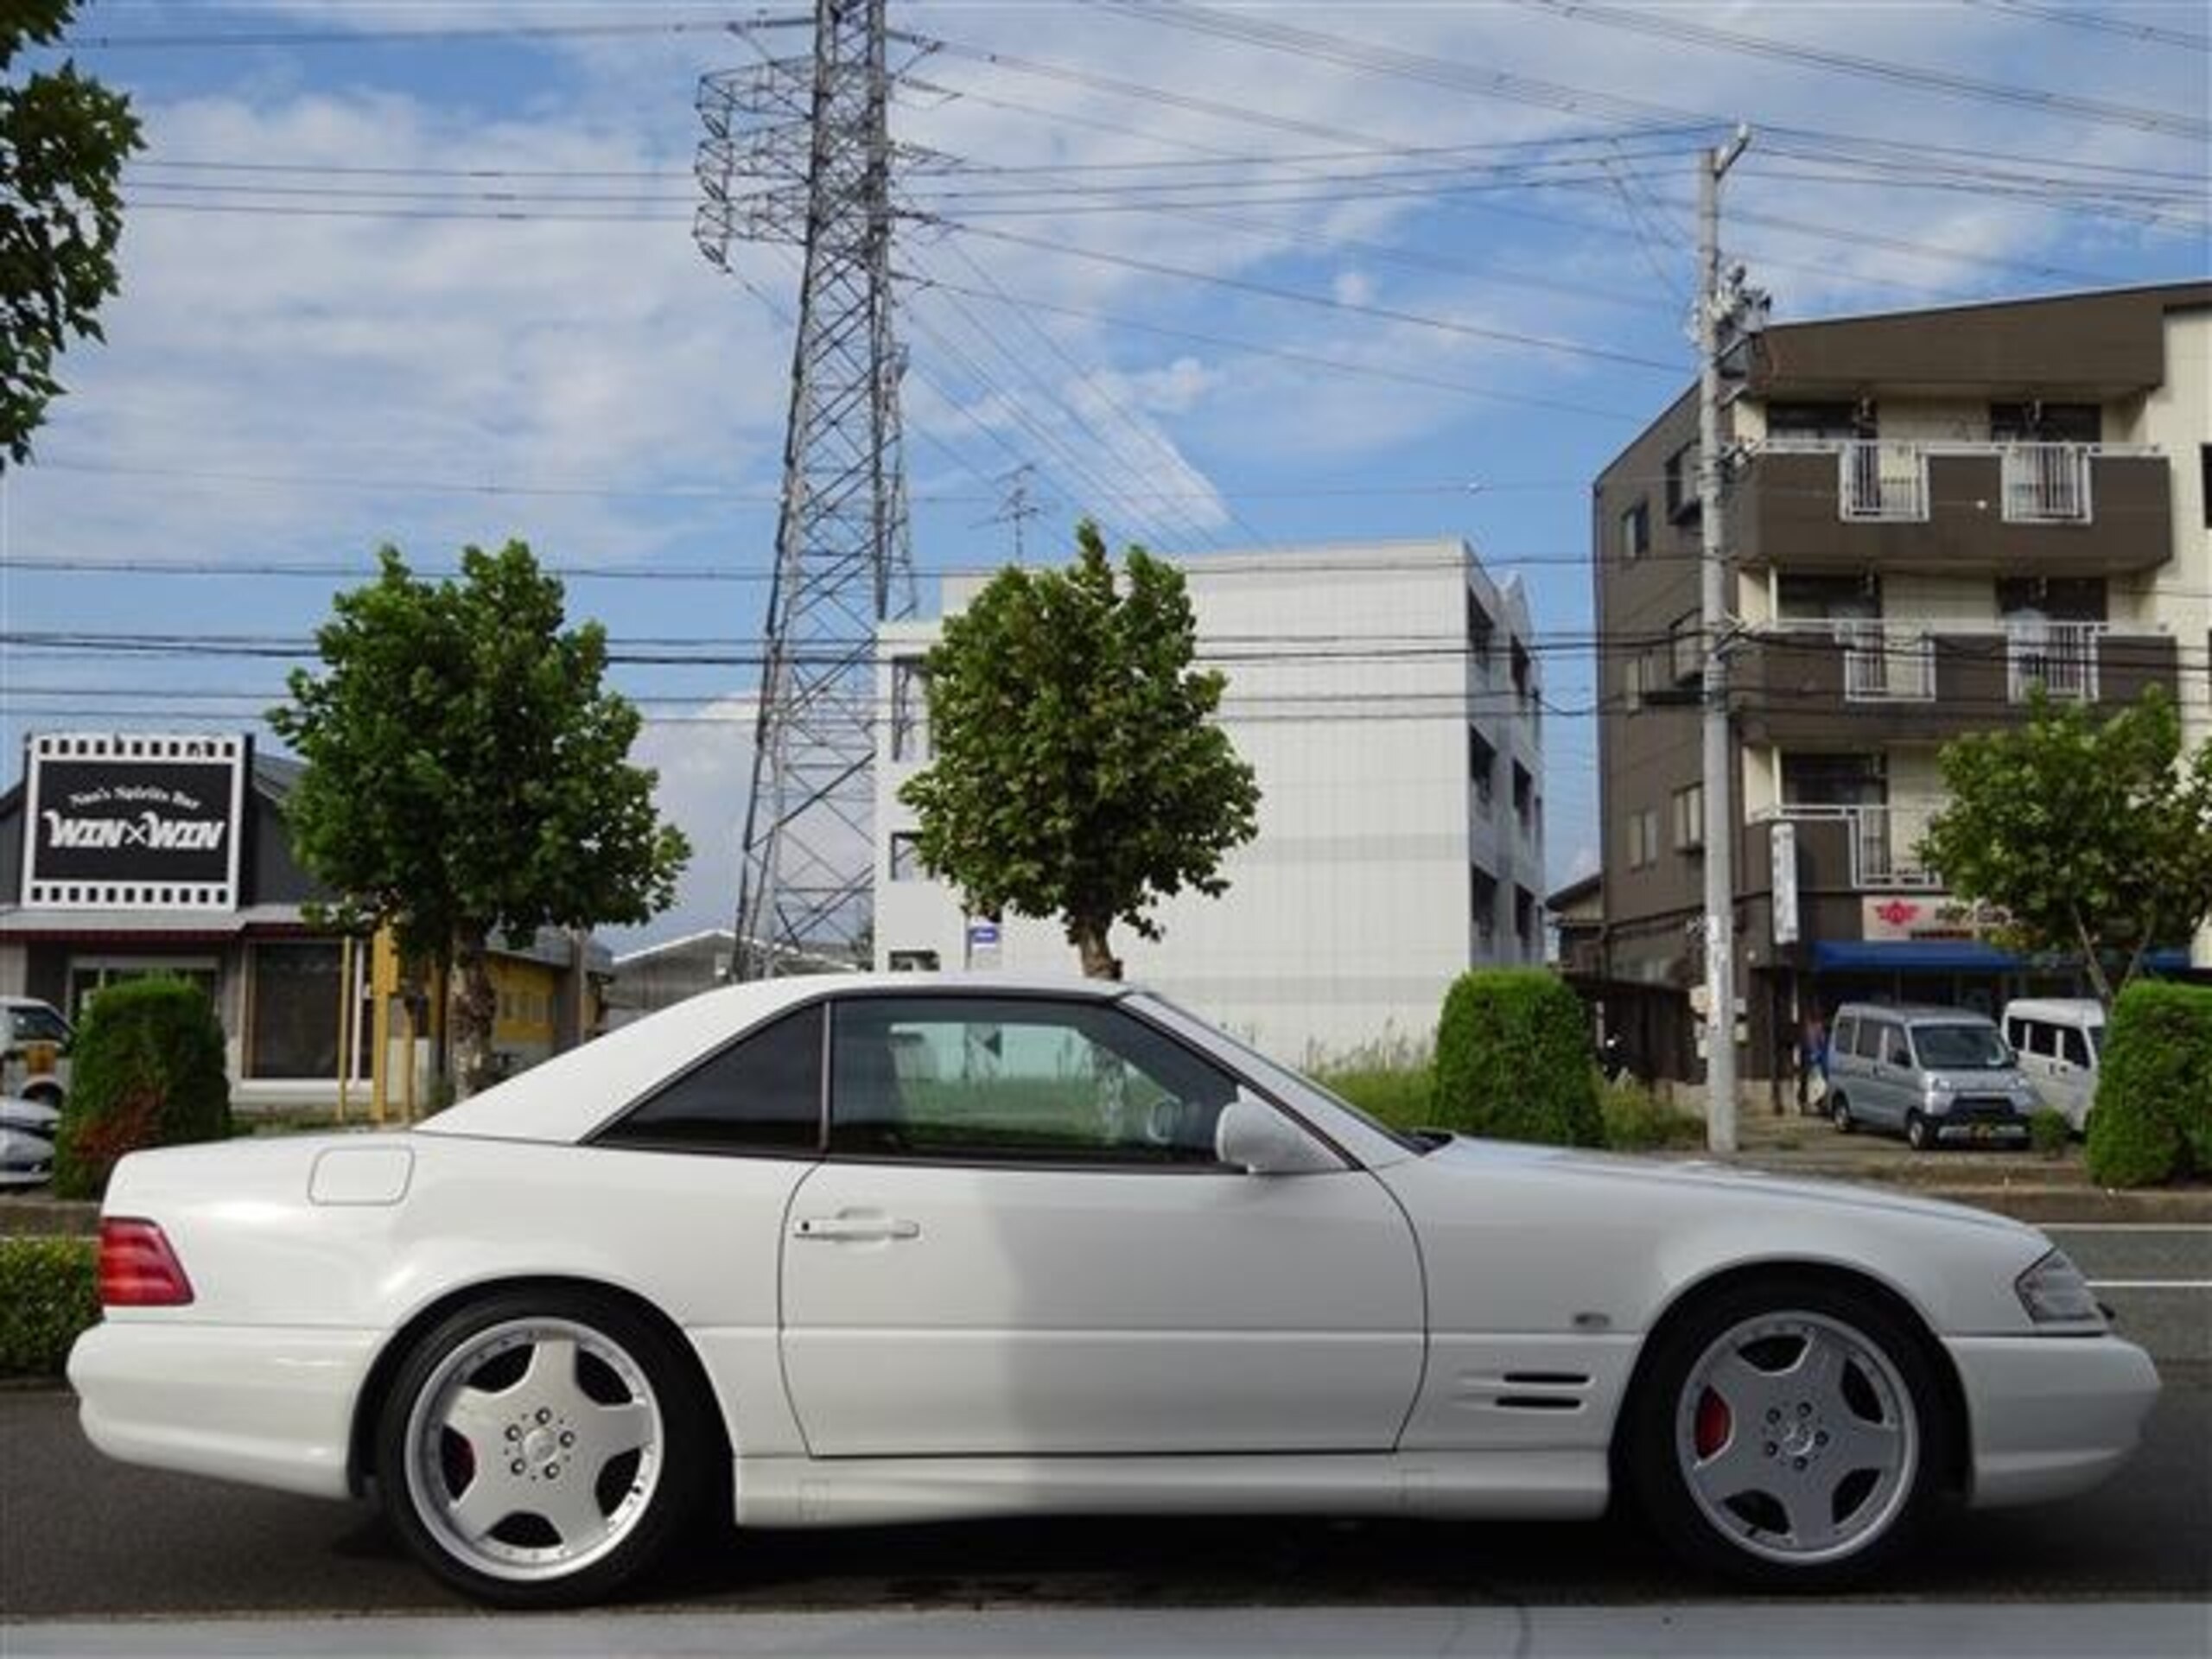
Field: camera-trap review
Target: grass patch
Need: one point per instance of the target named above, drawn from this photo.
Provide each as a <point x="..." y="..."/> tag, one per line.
<point x="1636" y="1120"/>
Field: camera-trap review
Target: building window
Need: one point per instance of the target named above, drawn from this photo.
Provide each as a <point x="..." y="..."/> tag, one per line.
<point x="2045" y="423"/>
<point x="1636" y="531"/>
<point x="1481" y="767"/>
<point x="295" y="1017"/>
<point x="910" y="730"/>
<point x="913" y="962"/>
<point x="1479" y="629"/>
<point x="1524" y="797"/>
<point x="1689" y="817"/>
<point x="905" y="856"/>
<point x="1830" y="420"/>
<point x="1524" y="917"/>
<point x="1643" y="838"/>
<point x="1683" y="501"/>
<point x="1686" y="649"/>
<point x="1802" y="598"/>
<point x="2204" y="482"/>
<point x="1484" y="886"/>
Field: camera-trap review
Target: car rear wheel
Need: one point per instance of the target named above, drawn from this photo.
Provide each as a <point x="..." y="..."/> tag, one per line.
<point x="541" y="1449"/>
<point x="1791" y="1437"/>
<point x="1839" y="1114"/>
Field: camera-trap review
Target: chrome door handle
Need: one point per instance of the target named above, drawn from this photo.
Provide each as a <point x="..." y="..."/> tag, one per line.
<point x="851" y="1229"/>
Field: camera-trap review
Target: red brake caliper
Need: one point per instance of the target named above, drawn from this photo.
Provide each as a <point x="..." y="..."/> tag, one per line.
<point x="1713" y="1423"/>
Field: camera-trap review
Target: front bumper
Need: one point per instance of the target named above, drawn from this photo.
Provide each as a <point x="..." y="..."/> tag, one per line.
<point x="269" y="1406"/>
<point x="2051" y="1416"/>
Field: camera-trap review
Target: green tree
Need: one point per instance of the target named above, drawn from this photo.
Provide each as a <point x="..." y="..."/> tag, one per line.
<point x="2093" y="835"/>
<point x="468" y="775"/>
<point x="1077" y="771"/>
<point x="63" y="140"/>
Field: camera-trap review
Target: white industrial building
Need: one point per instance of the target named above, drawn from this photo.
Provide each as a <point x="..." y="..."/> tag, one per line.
<point x="1387" y="696"/>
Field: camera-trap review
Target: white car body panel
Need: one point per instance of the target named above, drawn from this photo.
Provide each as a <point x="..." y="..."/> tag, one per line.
<point x="1054" y="1312"/>
<point x="1448" y="1332"/>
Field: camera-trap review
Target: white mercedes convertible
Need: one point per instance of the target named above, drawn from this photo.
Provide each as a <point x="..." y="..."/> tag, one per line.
<point x="877" y="1249"/>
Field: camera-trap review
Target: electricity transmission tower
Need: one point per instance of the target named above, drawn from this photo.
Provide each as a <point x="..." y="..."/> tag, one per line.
<point x="797" y="152"/>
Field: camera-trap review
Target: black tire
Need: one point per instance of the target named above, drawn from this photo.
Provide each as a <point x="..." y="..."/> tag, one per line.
<point x="1839" y="1114"/>
<point x="681" y="1456"/>
<point x="1654" y="1471"/>
<point x="1917" y="1135"/>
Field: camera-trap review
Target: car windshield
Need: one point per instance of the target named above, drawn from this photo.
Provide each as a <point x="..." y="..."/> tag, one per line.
<point x="1961" y="1048"/>
<point x="1278" y="1079"/>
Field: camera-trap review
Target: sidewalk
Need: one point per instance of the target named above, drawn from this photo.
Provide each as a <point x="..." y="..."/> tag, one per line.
<point x="2025" y="1184"/>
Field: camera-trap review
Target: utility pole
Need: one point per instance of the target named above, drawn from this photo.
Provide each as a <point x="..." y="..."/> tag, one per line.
<point x="1724" y="307"/>
<point x="798" y="151"/>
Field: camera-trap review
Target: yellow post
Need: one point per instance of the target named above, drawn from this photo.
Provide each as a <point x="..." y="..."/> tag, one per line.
<point x="345" y="1020"/>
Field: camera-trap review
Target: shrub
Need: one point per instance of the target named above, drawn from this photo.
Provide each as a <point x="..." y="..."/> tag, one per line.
<point x="148" y="1072"/>
<point x="1513" y="1060"/>
<point x="2049" y="1131"/>
<point x="49" y="1293"/>
<point x="1636" y="1120"/>
<point x="2153" y="1121"/>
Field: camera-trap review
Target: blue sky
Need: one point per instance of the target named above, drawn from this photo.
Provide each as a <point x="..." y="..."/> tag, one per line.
<point x="423" y="274"/>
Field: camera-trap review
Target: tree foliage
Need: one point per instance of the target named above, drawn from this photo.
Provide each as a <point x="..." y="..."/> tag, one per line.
<point x="2094" y="834"/>
<point x="2152" y="1119"/>
<point x="468" y="775"/>
<point x="1077" y="771"/>
<point x="63" y="140"/>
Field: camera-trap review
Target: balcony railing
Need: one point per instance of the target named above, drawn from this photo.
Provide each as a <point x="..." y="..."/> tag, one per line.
<point x="1895" y="660"/>
<point x="2060" y="657"/>
<point x="1883" y="481"/>
<point x="1882" y="663"/>
<point x="2047" y="484"/>
<point x="1882" y="841"/>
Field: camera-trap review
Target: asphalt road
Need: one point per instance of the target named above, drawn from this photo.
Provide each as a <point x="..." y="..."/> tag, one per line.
<point x="83" y="1537"/>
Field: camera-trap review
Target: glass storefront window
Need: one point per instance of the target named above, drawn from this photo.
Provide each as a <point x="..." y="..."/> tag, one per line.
<point x="295" y="1018"/>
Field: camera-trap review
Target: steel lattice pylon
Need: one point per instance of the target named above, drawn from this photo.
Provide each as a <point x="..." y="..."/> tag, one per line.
<point x="798" y="151"/>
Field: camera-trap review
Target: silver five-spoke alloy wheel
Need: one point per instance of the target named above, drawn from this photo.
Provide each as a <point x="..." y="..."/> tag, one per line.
<point x="534" y="1448"/>
<point x="1797" y="1437"/>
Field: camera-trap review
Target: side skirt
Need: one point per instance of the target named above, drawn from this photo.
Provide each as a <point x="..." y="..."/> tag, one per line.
<point x="1537" y="1484"/>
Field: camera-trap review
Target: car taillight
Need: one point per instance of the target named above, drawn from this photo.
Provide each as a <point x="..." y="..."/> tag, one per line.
<point x="138" y="1268"/>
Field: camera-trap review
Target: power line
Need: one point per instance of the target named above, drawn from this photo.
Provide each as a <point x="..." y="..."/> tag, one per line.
<point x="2089" y="17"/>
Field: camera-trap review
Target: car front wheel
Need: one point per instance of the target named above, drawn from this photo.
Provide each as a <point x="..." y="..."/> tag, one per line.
<point x="1791" y="1437"/>
<point x="541" y="1449"/>
<point x="1918" y="1133"/>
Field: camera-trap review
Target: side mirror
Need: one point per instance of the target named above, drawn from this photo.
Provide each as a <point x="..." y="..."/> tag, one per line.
<point x="1254" y="1137"/>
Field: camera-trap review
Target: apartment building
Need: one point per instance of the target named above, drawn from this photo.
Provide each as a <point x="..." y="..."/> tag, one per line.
<point x="1929" y="514"/>
<point x="1389" y="699"/>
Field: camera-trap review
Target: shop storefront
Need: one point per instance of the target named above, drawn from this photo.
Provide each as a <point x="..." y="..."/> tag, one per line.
<point x="128" y="855"/>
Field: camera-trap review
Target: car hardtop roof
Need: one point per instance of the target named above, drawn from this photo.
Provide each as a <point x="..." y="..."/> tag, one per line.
<point x="2056" y="1007"/>
<point x="1915" y="1014"/>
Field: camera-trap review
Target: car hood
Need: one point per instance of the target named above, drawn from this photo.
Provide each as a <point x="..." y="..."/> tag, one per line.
<point x="1688" y="1174"/>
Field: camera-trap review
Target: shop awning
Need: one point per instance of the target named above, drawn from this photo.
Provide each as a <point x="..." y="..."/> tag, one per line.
<point x="1912" y="956"/>
<point x="1951" y="956"/>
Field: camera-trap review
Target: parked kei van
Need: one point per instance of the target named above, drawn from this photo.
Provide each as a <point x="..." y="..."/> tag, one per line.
<point x="1939" y="1075"/>
<point x="2059" y="1041"/>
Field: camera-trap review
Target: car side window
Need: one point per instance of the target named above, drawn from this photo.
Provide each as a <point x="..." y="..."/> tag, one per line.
<point x="2075" y="1049"/>
<point x="2016" y="1033"/>
<point x="2041" y="1039"/>
<point x="1900" y="1049"/>
<point x="1870" y="1039"/>
<point x="1847" y="1034"/>
<point x="1017" y="1080"/>
<point x="762" y="1094"/>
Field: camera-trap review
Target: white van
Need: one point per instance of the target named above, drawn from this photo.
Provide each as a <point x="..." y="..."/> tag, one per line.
<point x="2059" y="1040"/>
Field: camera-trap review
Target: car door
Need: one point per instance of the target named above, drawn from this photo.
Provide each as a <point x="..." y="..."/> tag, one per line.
<point x="1021" y="1244"/>
<point x="1882" y="1048"/>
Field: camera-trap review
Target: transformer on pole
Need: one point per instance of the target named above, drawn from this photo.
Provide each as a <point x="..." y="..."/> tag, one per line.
<point x="797" y="151"/>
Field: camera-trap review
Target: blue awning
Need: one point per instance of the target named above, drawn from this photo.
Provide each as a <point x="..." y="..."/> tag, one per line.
<point x="1953" y="956"/>
<point x="1912" y="956"/>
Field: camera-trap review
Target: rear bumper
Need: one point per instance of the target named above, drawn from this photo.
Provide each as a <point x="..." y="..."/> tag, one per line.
<point x="269" y="1406"/>
<point x="2051" y="1416"/>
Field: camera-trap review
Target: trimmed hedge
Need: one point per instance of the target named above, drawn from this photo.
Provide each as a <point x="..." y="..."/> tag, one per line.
<point x="1513" y="1060"/>
<point x="49" y="1295"/>
<point x="147" y="1070"/>
<point x="2153" y="1121"/>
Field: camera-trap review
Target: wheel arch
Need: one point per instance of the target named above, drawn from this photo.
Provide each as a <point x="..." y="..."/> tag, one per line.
<point x="1685" y="1302"/>
<point x="368" y="1404"/>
